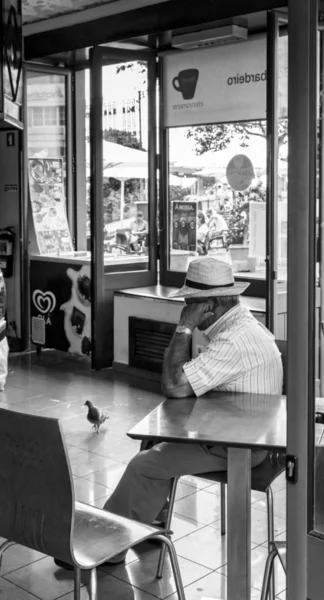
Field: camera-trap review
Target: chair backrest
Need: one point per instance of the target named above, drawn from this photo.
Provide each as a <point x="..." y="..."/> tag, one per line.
<point x="36" y="490"/>
<point x="282" y="346"/>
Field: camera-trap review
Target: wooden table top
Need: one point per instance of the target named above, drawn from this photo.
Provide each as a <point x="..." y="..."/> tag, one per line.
<point x="256" y="421"/>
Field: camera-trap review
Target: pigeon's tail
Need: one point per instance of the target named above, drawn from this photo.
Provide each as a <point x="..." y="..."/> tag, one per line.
<point x="103" y="418"/>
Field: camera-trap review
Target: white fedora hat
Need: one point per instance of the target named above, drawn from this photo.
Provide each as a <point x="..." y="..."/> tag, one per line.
<point x="208" y="277"/>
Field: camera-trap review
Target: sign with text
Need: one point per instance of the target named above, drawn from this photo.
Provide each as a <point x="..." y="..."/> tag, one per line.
<point x="221" y="84"/>
<point x="184" y="223"/>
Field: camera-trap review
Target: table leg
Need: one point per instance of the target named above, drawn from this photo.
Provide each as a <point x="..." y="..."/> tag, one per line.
<point x="239" y="524"/>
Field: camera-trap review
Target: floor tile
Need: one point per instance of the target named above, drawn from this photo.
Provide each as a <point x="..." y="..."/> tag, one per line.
<point x="102" y="444"/>
<point x="109" y="476"/>
<point x="113" y="589"/>
<point x="142" y="573"/>
<point x="86" y="463"/>
<point x="100" y="502"/>
<point x="205" y="546"/>
<point x="279" y="483"/>
<point x="44" y="579"/>
<point x="198" y="482"/>
<point x="259" y="527"/>
<point x="55" y="384"/>
<point x="213" y="488"/>
<point x="123" y="450"/>
<point x="87" y="491"/>
<point x="18" y="556"/>
<point x="9" y="591"/>
<point x="258" y="560"/>
<point x="201" y="507"/>
<point x="279" y="503"/>
<point x="211" y="587"/>
<point x="184" y="490"/>
<point x="13" y="395"/>
<point x="182" y="526"/>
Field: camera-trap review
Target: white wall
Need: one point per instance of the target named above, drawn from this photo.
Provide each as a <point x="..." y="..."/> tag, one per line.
<point x="147" y="308"/>
<point x="9" y="215"/>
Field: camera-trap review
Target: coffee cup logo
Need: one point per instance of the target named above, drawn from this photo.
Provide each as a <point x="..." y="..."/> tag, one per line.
<point x="186" y="83"/>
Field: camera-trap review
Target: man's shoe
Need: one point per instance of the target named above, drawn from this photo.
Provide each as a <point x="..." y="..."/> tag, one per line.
<point x="63" y="565"/>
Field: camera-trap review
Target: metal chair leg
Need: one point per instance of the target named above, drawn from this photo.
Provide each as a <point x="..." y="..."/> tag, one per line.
<point x="223" y="508"/>
<point x="267" y="574"/>
<point x="77" y="583"/>
<point x="270" y="519"/>
<point x="166" y="542"/>
<point x="93" y="585"/>
<point x="3" y="548"/>
<point x="167" y="525"/>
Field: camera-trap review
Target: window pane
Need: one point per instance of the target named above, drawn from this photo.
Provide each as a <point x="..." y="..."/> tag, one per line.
<point x="125" y="165"/>
<point x="37" y="114"/>
<point x="217" y="195"/>
<point x="47" y="143"/>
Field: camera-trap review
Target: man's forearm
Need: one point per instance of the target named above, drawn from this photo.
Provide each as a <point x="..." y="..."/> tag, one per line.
<point x="176" y="355"/>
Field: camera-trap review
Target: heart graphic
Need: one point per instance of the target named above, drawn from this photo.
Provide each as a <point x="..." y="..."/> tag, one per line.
<point x="45" y="302"/>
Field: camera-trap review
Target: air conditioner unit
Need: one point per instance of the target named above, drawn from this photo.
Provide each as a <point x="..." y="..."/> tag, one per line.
<point x="210" y="37"/>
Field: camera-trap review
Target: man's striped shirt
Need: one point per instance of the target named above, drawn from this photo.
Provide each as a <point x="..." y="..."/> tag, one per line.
<point x="241" y="356"/>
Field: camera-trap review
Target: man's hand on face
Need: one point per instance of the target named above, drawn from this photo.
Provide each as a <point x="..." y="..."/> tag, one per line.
<point x="197" y="314"/>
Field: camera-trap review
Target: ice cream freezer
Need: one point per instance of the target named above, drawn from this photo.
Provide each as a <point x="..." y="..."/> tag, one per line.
<point x="60" y="303"/>
<point x="60" y="300"/>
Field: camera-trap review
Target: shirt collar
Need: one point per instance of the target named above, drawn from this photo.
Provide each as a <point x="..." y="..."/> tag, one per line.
<point x="224" y="322"/>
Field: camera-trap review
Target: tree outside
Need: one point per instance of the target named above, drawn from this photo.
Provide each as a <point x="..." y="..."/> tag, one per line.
<point x="213" y="138"/>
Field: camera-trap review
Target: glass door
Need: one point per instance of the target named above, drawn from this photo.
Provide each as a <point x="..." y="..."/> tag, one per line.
<point x="122" y="158"/>
<point x="316" y="441"/>
<point x="305" y="548"/>
<point x="277" y="169"/>
<point x="223" y="141"/>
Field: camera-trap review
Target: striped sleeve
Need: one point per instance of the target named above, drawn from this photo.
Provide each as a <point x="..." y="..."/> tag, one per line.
<point x="219" y="364"/>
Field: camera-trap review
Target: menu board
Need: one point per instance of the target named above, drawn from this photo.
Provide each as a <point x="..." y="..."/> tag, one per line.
<point x="47" y="196"/>
<point x="184" y="221"/>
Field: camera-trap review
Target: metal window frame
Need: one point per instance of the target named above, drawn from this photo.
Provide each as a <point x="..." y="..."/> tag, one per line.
<point x="259" y="288"/>
<point x="105" y="283"/>
<point x="25" y="204"/>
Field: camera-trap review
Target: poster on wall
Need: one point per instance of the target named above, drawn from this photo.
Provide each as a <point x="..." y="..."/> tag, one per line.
<point x="221" y="84"/>
<point x="61" y="306"/>
<point x="184" y="225"/>
<point x="47" y="196"/>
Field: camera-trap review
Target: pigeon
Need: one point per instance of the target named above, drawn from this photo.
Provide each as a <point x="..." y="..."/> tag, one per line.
<point x="95" y="416"/>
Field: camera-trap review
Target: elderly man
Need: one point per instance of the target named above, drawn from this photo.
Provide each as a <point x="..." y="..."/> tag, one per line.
<point x="240" y="356"/>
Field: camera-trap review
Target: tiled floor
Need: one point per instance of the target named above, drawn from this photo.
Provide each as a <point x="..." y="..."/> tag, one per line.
<point x="57" y="386"/>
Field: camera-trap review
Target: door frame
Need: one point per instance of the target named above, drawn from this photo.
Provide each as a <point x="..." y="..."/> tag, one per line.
<point x="104" y="284"/>
<point x="302" y="83"/>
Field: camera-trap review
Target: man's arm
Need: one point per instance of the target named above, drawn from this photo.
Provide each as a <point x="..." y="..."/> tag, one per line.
<point x="175" y="383"/>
